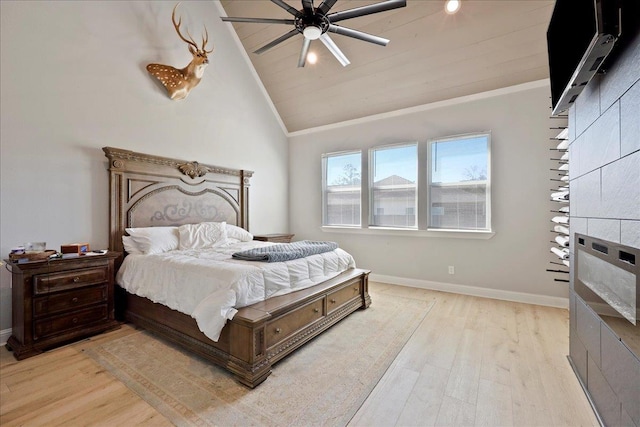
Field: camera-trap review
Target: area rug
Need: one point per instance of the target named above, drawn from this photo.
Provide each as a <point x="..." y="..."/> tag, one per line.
<point x="323" y="383"/>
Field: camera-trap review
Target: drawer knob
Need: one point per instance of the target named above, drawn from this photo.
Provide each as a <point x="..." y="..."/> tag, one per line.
<point x="76" y="279"/>
<point x="332" y="301"/>
<point x="278" y="330"/>
<point x="75" y="320"/>
<point x="315" y="310"/>
<point x="356" y="289"/>
<point x="74" y="299"/>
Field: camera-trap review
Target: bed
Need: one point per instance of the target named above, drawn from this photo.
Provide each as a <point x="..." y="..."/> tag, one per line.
<point x="151" y="191"/>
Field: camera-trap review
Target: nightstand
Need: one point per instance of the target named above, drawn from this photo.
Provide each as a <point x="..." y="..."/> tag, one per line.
<point x="60" y="300"/>
<point x="278" y="237"/>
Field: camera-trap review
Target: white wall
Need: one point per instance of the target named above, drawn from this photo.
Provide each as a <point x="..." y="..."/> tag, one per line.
<point x="515" y="259"/>
<point x="73" y="80"/>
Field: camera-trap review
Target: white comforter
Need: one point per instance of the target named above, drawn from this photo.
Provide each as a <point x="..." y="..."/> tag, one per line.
<point x="209" y="285"/>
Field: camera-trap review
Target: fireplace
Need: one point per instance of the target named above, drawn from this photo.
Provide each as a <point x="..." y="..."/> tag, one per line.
<point x="607" y="279"/>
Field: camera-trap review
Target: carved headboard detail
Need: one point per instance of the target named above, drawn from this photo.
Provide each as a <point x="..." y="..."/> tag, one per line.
<point x="147" y="191"/>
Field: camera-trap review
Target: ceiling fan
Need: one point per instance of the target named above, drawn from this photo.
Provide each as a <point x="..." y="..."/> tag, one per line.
<point x="315" y="22"/>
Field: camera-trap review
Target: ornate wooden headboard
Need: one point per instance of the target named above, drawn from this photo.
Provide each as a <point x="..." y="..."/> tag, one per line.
<point x="147" y="191"/>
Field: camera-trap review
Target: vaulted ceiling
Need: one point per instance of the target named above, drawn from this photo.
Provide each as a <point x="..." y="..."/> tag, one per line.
<point x="432" y="56"/>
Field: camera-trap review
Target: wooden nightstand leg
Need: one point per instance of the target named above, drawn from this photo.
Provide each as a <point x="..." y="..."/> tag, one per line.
<point x="19" y="351"/>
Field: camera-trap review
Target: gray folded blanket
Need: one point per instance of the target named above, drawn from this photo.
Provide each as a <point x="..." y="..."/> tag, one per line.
<point x="285" y="251"/>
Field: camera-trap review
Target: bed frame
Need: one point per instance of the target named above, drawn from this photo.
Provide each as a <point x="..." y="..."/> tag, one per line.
<point x="147" y="190"/>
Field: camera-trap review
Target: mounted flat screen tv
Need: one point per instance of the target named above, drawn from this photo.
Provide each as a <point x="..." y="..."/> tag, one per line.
<point x="580" y="35"/>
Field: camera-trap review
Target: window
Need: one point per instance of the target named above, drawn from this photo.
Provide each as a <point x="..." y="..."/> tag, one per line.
<point x="459" y="191"/>
<point x="341" y="187"/>
<point x="393" y="185"/>
<point x="436" y="186"/>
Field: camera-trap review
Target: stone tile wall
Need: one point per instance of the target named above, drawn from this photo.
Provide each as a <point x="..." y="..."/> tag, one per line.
<point x="604" y="185"/>
<point x="604" y="153"/>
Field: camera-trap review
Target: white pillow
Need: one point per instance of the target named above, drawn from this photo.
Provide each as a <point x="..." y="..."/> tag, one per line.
<point x="154" y="240"/>
<point x="235" y="232"/>
<point x="202" y="236"/>
<point x="130" y="245"/>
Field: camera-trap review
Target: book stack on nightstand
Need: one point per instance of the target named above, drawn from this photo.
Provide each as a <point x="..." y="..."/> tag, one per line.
<point x="277" y="238"/>
<point x="57" y="301"/>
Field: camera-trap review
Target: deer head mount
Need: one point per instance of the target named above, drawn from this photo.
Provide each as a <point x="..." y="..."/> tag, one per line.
<point x="179" y="82"/>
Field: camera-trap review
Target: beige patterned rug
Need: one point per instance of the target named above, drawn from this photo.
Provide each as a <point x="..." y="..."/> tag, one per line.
<point x="322" y="383"/>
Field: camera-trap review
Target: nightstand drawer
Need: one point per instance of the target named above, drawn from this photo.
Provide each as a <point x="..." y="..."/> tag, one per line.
<point x="43" y="328"/>
<point x="46" y="283"/>
<point x="69" y="300"/>
<point x="342" y="296"/>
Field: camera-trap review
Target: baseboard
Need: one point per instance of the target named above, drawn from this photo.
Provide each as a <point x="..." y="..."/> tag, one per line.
<point x="4" y="336"/>
<point x="523" y="297"/>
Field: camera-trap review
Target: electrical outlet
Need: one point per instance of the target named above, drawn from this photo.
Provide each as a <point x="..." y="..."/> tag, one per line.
<point x="452" y="270"/>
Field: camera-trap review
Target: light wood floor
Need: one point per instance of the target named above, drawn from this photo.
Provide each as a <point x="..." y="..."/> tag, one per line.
<point x="480" y="362"/>
<point x="472" y="361"/>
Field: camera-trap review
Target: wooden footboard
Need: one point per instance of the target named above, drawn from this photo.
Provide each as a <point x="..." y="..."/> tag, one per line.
<point x="263" y="333"/>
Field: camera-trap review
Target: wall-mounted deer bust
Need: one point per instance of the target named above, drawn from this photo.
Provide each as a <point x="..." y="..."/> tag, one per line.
<point x="179" y="82"/>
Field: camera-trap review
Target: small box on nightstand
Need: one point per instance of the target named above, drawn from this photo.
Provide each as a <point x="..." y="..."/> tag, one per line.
<point x="75" y="248"/>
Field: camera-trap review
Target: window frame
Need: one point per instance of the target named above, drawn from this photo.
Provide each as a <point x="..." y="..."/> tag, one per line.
<point x="429" y="160"/>
<point x="422" y="212"/>
<point x="370" y="186"/>
<point x="325" y="206"/>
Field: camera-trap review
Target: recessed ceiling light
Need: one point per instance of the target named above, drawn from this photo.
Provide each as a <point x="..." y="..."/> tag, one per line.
<point x="452" y="6"/>
<point x="312" y="58"/>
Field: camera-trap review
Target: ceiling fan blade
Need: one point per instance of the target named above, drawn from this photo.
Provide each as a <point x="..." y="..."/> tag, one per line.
<point x="325" y="6"/>
<point x="280" y="39"/>
<point x="307" y="6"/>
<point x="258" y="20"/>
<point x="303" y="52"/>
<point x="288" y="8"/>
<point x="333" y="48"/>
<point x="366" y="10"/>
<point x="358" y="35"/>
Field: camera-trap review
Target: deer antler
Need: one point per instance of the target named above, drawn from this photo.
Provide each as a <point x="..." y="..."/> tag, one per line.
<point x="205" y="40"/>
<point x="177" y="26"/>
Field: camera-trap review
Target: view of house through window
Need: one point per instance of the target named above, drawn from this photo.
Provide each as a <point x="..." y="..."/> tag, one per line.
<point x="457" y="194"/>
<point x="341" y="189"/>
<point x="458" y="183"/>
<point x="393" y="189"/>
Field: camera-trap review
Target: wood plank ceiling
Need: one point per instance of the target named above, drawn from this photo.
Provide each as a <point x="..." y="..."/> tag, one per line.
<point x="432" y="56"/>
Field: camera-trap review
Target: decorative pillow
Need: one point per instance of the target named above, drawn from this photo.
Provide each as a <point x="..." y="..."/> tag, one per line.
<point x="235" y="232"/>
<point x="154" y="240"/>
<point x="203" y="236"/>
<point x="130" y="245"/>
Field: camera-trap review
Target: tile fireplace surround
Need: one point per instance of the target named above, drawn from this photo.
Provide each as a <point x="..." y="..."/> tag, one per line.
<point x="605" y="327"/>
<point x="604" y="181"/>
<point x="608" y="281"/>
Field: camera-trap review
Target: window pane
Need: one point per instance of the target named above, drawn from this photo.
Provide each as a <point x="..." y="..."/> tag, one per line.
<point x="342" y="189"/>
<point x="393" y="193"/>
<point x="458" y="190"/>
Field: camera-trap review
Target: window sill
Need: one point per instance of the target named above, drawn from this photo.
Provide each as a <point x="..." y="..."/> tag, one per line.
<point x="405" y="232"/>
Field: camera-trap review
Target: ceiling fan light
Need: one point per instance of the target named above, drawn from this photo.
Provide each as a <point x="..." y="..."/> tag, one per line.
<point x="312" y="32"/>
<point x="312" y="58"/>
<point x="452" y="6"/>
